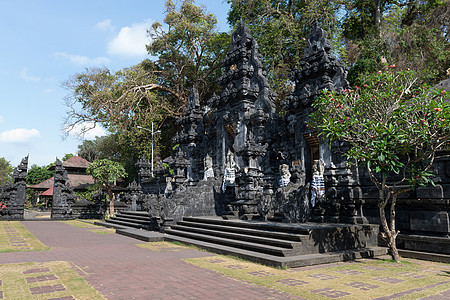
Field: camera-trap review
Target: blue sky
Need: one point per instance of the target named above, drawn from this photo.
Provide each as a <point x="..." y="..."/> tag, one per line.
<point x="45" y="42"/>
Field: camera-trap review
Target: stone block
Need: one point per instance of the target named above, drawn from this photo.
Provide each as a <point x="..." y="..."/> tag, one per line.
<point x="430" y="192"/>
<point x="437" y="222"/>
<point x="425" y="243"/>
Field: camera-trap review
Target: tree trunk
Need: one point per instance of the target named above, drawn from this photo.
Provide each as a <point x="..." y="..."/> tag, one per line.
<point x="377" y="17"/>
<point x="111" y="203"/>
<point x="390" y="234"/>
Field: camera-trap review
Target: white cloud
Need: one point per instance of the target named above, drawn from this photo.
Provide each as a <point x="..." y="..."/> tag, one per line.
<point x="48" y="91"/>
<point x="105" y="26"/>
<point x="25" y="76"/>
<point x="19" y="135"/>
<point x="130" y="41"/>
<point x="2" y="119"/>
<point x="87" y="131"/>
<point x="81" y="60"/>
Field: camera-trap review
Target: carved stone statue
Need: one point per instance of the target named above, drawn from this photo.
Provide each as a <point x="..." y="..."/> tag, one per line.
<point x="229" y="176"/>
<point x="285" y="175"/>
<point x="318" y="183"/>
<point x="209" y="172"/>
<point x="168" y="189"/>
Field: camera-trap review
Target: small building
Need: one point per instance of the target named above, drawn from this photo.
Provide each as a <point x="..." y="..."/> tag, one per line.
<point x="76" y="171"/>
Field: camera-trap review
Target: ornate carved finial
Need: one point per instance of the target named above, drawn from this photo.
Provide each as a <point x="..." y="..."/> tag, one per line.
<point x="193" y="100"/>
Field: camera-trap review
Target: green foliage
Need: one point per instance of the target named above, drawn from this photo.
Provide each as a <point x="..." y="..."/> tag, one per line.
<point x="411" y="34"/>
<point x="189" y="52"/>
<point x="393" y="127"/>
<point x="87" y="195"/>
<point x="67" y="156"/>
<point x="6" y="171"/>
<point x="38" y="174"/>
<point x="391" y="124"/>
<point x="105" y="171"/>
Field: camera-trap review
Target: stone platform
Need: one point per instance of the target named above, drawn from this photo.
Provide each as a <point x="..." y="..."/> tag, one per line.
<point x="270" y="243"/>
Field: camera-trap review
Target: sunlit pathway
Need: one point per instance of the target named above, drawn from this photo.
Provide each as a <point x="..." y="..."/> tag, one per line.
<point x="117" y="268"/>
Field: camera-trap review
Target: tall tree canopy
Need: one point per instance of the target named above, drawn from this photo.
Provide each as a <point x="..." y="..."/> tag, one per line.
<point x="411" y="34"/>
<point x="188" y="54"/>
<point x="6" y="171"/>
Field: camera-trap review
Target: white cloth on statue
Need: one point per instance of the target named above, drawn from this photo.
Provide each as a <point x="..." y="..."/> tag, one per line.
<point x="228" y="178"/>
<point x="284" y="182"/>
<point x="317" y="188"/>
<point x="209" y="173"/>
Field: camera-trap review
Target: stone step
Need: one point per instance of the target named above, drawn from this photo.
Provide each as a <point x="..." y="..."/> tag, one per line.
<point x="131" y="220"/>
<point x="143" y="235"/>
<point x="110" y="225"/>
<point x="278" y="261"/>
<point x="272" y="250"/>
<point x="268" y="226"/>
<point x="257" y="239"/>
<point x="249" y="231"/>
<point x="135" y="213"/>
<point x="126" y="224"/>
<point x="136" y="217"/>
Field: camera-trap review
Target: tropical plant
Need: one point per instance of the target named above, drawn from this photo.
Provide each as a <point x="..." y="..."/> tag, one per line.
<point x="105" y="173"/>
<point x="394" y="128"/>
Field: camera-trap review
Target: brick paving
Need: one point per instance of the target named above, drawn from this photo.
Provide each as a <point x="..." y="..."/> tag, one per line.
<point x="118" y="269"/>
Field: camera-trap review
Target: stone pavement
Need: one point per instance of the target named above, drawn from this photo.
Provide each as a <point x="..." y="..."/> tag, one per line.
<point x="118" y="269"/>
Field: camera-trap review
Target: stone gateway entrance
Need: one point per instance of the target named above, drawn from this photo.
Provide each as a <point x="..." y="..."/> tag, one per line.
<point x="238" y="158"/>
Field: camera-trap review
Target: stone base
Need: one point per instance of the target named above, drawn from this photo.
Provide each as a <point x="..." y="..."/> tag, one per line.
<point x="424" y="243"/>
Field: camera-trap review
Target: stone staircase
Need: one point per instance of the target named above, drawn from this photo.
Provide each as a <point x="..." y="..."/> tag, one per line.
<point x="129" y="219"/>
<point x="278" y="244"/>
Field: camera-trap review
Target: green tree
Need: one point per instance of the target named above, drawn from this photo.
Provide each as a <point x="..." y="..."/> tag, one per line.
<point x="6" y="171"/>
<point x="126" y="150"/>
<point x="67" y="156"/>
<point x="38" y="174"/>
<point x="189" y="52"/>
<point x="105" y="172"/>
<point x="393" y="128"/>
<point x="411" y="34"/>
<point x="188" y="55"/>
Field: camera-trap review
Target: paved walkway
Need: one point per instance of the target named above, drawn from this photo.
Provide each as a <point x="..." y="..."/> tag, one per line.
<point x="118" y="269"/>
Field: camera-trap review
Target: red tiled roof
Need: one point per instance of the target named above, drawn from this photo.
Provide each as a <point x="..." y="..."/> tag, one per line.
<point x="74" y="162"/>
<point x="77" y="181"/>
<point x="48" y="192"/>
<point x="46" y="184"/>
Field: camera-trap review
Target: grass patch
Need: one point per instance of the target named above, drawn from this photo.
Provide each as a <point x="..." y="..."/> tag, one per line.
<point x="103" y="230"/>
<point x="14" y="237"/>
<point x="164" y="246"/>
<point x="15" y="284"/>
<point x="83" y="224"/>
<point x="362" y="279"/>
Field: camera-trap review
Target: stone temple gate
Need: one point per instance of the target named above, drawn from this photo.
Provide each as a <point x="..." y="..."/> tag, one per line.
<point x="238" y="159"/>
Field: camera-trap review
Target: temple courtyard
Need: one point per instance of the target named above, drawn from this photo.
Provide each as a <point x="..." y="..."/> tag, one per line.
<point x="79" y="260"/>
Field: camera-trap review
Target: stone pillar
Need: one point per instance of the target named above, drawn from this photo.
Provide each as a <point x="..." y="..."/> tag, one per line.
<point x="14" y="193"/>
<point x="63" y="195"/>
